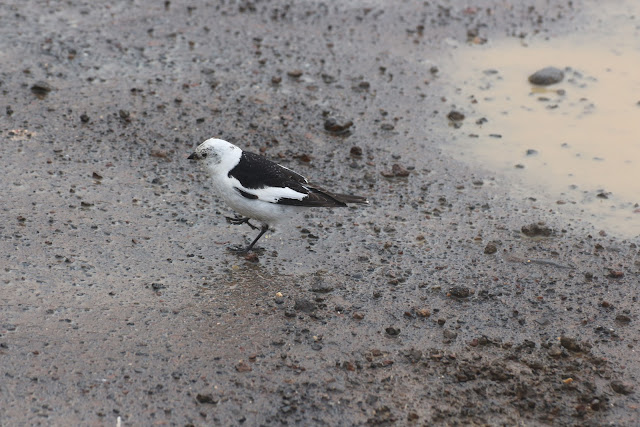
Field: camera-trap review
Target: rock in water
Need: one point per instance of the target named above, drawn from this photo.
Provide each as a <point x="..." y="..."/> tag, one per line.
<point x="546" y="76"/>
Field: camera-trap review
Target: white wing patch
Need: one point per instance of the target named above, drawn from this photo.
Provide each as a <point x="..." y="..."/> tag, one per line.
<point x="269" y="194"/>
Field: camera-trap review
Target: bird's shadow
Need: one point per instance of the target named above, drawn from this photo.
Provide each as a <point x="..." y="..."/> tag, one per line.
<point x="249" y="255"/>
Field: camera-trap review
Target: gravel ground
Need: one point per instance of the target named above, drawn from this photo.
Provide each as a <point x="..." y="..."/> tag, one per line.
<point x="448" y="301"/>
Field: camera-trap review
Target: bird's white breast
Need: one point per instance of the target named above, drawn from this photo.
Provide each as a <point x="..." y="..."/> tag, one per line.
<point x="263" y="208"/>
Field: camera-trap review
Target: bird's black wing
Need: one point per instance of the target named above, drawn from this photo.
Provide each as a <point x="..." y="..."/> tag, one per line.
<point x="259" y="177"/>
<point x="255" y="172"/>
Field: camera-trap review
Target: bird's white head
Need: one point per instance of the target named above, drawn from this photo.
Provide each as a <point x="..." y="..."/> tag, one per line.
<point x="216" y="153"/>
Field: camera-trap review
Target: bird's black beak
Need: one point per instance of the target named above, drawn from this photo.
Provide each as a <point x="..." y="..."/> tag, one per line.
<point x="193" y="156"/>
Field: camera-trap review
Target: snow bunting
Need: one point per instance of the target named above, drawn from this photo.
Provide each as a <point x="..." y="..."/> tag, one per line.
<point x="260" y="189"/>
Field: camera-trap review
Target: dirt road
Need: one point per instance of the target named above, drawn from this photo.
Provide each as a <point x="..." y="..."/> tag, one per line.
<point x="429" y="307"/>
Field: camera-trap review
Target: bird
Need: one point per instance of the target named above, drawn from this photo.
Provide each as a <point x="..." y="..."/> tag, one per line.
<point x="259" y="189"/>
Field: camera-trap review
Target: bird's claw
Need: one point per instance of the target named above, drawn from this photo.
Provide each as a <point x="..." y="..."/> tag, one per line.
<point x="241" y="250"/>
<point x="238" y="250"/>
<point x="239" y="220"/>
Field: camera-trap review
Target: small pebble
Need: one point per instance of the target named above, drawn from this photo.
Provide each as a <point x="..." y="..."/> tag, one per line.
<point x="391" y="331"/>
<point x="41" y="89"/>
<point x="623" y="318"/>
<point x="491" y="248"/>
<point x="460" y="292"/>
<point x="536" y="230"/>
<point x="455" y="116"/>
<point x="396" y="171"/>
<point x="616" y="274"/>
<point x="423" y="312"/>
<point x="243" y="367"/>
<point x="546" y="76"/>
<point x="337" y="126"/>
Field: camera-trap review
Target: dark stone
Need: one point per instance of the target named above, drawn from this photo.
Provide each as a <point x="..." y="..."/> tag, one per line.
<point x="41" y="89"/>
<point x="337" y="126"/>
<point x="124" y="115"/>
<point x="243" y="367"/>
<point x="491" y="248"/>
<point x="455" y="116"/>
<point x="206" y="398"/>
<point x="623" y="318"/>
<point x="546" y="76"/>
<point x="536" y="230"/>
<point x="460" y="292"/>
<point x="396" y="171"/>
<point x="615" y="274"/>
<point x="392" y="331"/>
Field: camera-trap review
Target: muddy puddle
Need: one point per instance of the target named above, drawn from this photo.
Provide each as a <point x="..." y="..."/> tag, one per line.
<point x="574" y="144"/>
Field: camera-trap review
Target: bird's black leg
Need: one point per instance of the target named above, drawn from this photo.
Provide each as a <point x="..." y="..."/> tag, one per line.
<point x="263" y="230"/>
<point x="239" y="220"/>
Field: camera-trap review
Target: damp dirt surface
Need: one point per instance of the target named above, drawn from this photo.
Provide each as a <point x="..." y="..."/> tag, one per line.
<point x="571" y="131"/>
<point x="449" y="300"/>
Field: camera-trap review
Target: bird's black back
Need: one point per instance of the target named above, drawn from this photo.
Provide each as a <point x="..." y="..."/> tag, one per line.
<point x="255" y="172"/>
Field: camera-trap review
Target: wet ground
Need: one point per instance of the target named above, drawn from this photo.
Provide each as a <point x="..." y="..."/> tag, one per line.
<point x="575" y="140"/>
<point x="451" y="300"/>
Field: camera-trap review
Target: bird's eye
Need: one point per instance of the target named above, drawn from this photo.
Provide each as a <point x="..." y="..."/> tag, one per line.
<point x="204" y="154"/>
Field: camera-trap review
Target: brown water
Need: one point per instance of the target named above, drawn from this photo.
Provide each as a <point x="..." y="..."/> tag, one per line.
<point x="585" y="130"/>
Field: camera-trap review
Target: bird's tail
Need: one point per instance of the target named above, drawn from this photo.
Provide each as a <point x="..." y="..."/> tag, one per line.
<point x="347" y="198"/>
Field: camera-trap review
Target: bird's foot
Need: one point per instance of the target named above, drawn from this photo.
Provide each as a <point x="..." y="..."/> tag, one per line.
<point x="244" y="250"/>
<point x="239" y="250"/>
<point x="239" y="220"/>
